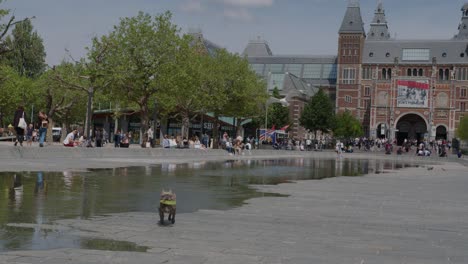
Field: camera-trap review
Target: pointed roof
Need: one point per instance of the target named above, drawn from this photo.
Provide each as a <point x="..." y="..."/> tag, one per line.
<point x="463" y="27"/>
<point x="199" y="39"/>
<point x="257" y="48"/>
<point x="352" y="21"/>
<point x="379" y="27"/>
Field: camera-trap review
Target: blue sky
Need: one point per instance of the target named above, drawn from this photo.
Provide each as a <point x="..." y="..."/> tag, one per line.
<point x="290" y="26"/>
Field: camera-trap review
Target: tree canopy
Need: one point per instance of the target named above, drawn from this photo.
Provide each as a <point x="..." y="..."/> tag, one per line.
<point x="26" y="51"/>
<point x="462" y="130"/>
<point x="347" y="126"/>
<point x="318" y="114"/>
<point x="278" y="115"/>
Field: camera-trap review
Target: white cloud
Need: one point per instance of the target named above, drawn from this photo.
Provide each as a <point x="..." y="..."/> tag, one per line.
<point x="191" y="6"/>
<point x="249" y="3"/>
<point x="238" y="14"/>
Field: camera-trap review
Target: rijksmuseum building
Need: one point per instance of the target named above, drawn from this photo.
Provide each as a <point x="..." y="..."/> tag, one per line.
<point x="398" y="89"/>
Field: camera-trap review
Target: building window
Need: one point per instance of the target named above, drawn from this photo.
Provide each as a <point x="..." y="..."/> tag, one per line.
<point x="257" y="68"/>
<point x="276" y="80"/>
<point x="294" y="69"/>
<point x="348" y="99"/>
<point x="408" y="73"/>
<point x="312" y="71"/>
<point x="463" y="93"/>
<point x="367" y="91"/>
<point x="386" y="74"/>
<point x="275" y="68"/>
<point x="329" y="71"/>
<point x="349" y="76"/>
<point x="462" y="74"/>
<point x="367" y="73"/>
<point x="462" y="107"/>
<point x="416" y="54"/>
<point x="420" y="72"/>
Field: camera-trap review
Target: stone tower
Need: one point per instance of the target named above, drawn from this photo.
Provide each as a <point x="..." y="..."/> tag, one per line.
<point x="350" y="48"/>
<point x="378" y="27"/>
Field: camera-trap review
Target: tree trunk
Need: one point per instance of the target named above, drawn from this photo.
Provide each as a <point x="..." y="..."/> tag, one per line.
<point x="89" y="112"/>
<point x="185" y="125"/>
<point x="162" y="128"/>
<point x="239" y="127"/>
<point x="49" y="137"/>
<point x="144" y="121"/>
<point x="215" y="132"/>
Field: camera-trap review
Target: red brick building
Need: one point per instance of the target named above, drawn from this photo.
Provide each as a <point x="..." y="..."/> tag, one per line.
<point x="399" y="89"/>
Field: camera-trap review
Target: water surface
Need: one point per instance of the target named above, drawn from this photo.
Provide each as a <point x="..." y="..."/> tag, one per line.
<point x="42" y="197"/>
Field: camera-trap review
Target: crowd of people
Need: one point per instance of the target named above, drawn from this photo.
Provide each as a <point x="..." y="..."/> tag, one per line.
<point x="236" y="146"/>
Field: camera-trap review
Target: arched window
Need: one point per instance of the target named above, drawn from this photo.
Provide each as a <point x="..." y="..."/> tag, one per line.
<point x="384" y="74"/>
<point x="415" y="72"/>
<point x="408" y="73"/>
<point x="389" y="74"/>
<point x="420" y="73"/>
<point x="441" y="74"/>
<point x="447" y="74"/>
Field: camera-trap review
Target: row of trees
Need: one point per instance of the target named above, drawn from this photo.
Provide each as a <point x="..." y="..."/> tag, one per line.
<point x="143" y="61"/>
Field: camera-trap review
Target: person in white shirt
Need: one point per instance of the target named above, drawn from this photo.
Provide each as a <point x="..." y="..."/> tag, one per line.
<point x="150" y="133"/>
<point x="70" y="139"/>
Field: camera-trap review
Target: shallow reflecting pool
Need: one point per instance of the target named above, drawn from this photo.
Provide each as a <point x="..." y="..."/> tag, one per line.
<point x="41" y="198"/>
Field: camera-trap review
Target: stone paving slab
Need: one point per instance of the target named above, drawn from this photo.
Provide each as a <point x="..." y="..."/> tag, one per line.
<point x="413" y="215"/>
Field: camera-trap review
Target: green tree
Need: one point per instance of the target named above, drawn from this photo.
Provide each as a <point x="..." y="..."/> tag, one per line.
<point x="318" y="114"/>
<point x="347" y="126"/>
<point x="143" y="51"/>
<point x="27" y="54"/>
<point x="61" y="104"/>
<point x="462" y="130"/>
<point x="184" y="98"/>
<point x="278" y="115"/>
<point x="15" y="90"/>
<point x="88" y="75"/>
<point x="5" y="28"/>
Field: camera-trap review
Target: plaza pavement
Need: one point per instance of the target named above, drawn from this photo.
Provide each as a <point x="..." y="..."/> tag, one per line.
<point x="415" y="215"/>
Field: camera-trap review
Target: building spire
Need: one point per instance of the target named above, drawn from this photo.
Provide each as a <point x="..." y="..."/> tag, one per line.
<point x="379" y="27"/>
<point x="352" y="21"/>
<point x="463" y="27"/>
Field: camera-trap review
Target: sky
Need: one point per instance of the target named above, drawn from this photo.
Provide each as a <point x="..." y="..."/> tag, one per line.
<point x="302" y="27"/>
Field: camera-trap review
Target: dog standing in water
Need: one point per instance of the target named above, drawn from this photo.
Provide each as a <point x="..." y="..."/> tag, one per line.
<point x="167" y="204"/>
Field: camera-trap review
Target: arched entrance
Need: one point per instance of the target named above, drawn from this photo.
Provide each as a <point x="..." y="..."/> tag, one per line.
<point x="441" y="133"/>
<point x="411" y="127"/>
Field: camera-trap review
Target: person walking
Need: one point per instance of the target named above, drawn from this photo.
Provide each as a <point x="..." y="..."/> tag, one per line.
<point x="43" y="124"/>
<point x="117" y="139"/>
<point x="19" y="114"/>
<point x="98" y="137"/>
<point x="150" y="133"/>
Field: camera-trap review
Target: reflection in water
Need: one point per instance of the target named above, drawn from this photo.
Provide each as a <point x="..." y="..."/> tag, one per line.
<point x="16" y="192"/>
<point x="44" y="197"/>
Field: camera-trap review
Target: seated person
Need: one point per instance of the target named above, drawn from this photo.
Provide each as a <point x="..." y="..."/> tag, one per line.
<point x="229" y="147"/>
<point x="125" y="141"/>
<point x="70" y="139"/>
<point x="185" y="143"/>
<point x="238" y="147"/>
<point x="248" y="146"/>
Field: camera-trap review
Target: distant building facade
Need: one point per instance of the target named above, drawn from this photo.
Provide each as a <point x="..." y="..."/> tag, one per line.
<point x="398" y="89"/>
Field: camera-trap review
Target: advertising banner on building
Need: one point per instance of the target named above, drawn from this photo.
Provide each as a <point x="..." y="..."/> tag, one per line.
<point x="413" y="93"/>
